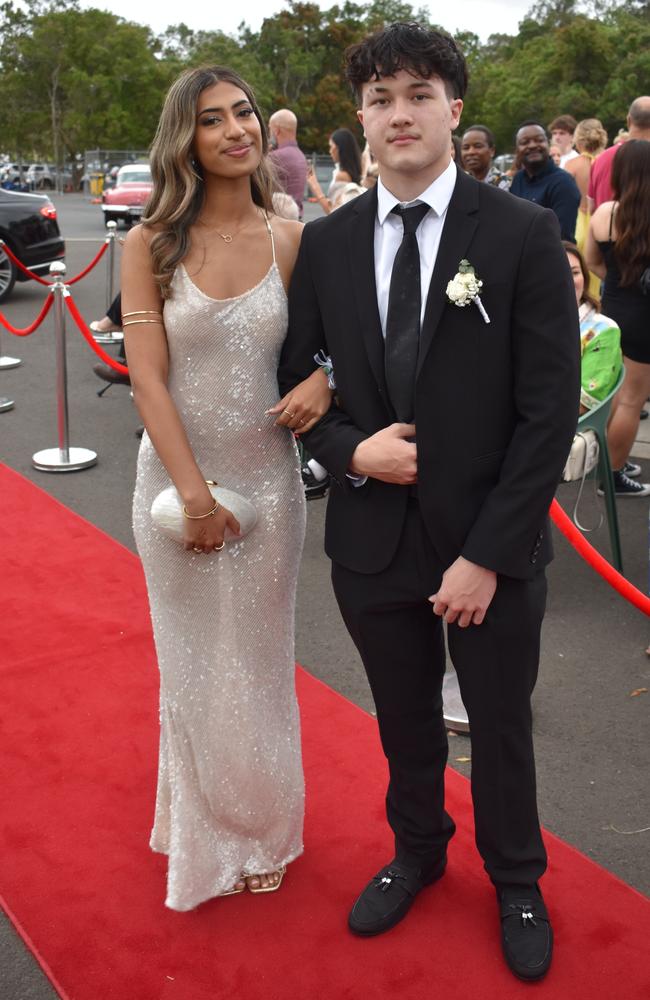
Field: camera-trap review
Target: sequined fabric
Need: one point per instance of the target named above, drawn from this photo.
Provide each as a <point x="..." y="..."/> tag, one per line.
<point x="230" y="784"/>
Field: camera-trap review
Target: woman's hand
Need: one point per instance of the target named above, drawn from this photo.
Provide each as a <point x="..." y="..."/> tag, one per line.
<point x="314" y="186"/>
<point x="206" y="534"/>
<point x="303" y="407"/>
<point x="313" y="182"/>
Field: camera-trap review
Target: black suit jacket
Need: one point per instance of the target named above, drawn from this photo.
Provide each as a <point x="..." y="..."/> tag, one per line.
<point x="496" y="404"/>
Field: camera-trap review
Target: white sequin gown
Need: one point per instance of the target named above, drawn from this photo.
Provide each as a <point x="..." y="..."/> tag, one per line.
<point x="230" y="784"/>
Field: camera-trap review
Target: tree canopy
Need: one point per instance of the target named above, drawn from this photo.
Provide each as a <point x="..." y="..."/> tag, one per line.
<point x="77" y="79"/>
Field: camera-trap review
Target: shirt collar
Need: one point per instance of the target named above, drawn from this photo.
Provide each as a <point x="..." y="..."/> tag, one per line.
<point x="437" y="196"/>
<point x="548" y="168"/>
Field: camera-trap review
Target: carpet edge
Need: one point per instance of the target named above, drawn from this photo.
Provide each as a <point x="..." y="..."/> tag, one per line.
<point x="34" y="951"/>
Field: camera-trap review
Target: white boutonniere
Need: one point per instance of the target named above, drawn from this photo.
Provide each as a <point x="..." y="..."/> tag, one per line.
<point x="464" y="288"/>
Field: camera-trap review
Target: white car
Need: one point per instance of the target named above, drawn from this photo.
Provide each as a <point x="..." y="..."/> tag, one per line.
<point x="40" y="176"/>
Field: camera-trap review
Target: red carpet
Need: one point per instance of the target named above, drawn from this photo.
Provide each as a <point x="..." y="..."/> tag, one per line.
<point x="78" y="734"/>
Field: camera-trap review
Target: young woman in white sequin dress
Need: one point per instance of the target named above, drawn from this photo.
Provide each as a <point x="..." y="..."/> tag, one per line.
<point x="205" y="310"/>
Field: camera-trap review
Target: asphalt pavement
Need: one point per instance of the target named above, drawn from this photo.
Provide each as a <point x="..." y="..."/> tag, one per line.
<point x="591" y="727"/>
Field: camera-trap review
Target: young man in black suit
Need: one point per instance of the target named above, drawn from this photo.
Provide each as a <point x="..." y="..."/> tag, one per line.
<point x="455" y="410"/>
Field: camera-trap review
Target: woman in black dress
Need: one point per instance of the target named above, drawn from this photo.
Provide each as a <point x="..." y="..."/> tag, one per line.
<point x="618" y="250"/>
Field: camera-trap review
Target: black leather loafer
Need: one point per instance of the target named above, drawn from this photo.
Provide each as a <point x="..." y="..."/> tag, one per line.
<point x="526" y="932"/>
<point x="389" y="896"/>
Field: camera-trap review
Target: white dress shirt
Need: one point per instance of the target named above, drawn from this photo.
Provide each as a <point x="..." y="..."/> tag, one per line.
<point x="389" y="231"/>
<point x="571" y="155"/>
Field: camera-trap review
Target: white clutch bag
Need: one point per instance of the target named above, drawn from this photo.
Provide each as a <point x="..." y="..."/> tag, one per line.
<point x="167" y="512"/>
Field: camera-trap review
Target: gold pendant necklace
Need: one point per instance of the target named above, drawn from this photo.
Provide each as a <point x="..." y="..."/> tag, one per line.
<point x="228" y="237"/>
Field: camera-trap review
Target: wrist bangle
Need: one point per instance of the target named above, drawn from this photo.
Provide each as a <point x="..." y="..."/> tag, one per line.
<point x="199" y="517"/>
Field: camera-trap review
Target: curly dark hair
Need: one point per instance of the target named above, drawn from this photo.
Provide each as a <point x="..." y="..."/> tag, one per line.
<point x="419" y="50"/>
<point x="631" y="187"/>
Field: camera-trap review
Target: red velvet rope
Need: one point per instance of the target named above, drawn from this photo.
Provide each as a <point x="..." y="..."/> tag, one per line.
<point x="25" y="332"/>
<point x="85" y="332"/>
<point x="627" y="590"/>
<point x="96" y="260"/>
<point x="42" y="281"/>
<point x="21" y="266"/>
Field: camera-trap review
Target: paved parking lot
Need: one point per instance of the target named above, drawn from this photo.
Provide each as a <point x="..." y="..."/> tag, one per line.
<point x="591" y="733"/>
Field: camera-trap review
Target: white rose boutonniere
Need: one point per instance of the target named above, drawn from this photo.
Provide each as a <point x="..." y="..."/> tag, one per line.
<point x="464" y="288"/>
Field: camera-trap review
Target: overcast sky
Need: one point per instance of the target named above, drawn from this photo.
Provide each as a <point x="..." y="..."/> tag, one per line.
<point x="485" y="17"/>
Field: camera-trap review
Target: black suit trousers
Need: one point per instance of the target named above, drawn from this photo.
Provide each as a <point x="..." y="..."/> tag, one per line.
<point x="401" y="643"/>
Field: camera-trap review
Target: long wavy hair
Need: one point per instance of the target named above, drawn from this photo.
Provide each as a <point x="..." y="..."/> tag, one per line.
<point x="631" y="187"/>
<point x="178" y="190"/>
<point x="349" y="153"/>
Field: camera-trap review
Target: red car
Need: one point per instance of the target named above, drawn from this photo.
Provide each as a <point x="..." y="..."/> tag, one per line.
<point x="128" y="198"/>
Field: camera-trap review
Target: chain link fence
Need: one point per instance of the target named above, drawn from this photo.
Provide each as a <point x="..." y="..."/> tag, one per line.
<point x="98" y="164"/>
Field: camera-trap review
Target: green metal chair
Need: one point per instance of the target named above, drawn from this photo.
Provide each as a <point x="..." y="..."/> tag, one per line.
<point x="596" y="420"/>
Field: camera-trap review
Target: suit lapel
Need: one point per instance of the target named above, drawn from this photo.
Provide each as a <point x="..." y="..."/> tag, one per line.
<point x="459" y="228"/>
<point x="361" y="249"/>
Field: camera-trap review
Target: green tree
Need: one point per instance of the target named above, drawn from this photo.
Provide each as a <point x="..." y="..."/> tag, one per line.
<point x="76" y="80"/>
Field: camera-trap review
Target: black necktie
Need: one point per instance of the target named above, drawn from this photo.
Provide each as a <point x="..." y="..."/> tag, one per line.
<point x="403" y="317"/>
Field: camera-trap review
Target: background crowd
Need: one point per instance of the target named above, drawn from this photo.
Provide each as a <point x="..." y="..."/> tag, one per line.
<point x="601" y="197"/>
<point x="99" y="78"/>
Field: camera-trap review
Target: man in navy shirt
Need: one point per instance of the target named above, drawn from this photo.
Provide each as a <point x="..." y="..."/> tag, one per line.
<point x="539" y="180"/>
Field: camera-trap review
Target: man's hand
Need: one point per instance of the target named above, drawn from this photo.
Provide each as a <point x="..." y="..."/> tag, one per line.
<point x="388" y="456"/>
<point x="465" y="593"/>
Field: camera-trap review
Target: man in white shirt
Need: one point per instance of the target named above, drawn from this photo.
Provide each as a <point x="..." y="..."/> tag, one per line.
<point x="448" y="313"/>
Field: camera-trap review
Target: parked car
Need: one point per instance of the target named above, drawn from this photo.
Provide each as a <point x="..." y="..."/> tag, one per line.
<point x="41" y="176"/>
<point x="128" y="198"/>
<point x="29" y="227"/>
<point x="504" y="162"/>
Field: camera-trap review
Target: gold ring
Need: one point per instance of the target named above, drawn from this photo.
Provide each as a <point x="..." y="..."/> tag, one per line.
<point x="290" y="413"/>
<point x="218" y="548"/>
<point x="196" y="548"/>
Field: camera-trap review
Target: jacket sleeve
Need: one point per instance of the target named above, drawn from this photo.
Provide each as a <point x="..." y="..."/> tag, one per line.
<point x="335" y="437"/>
<point x="545" y="345"/>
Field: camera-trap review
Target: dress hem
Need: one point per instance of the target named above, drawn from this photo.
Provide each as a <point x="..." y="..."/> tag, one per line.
<point x="183" y="908"/>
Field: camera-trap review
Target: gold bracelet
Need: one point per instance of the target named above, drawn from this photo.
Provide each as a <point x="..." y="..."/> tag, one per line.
<point x="134" y="322"/>
<point x="199" y="517"/>
<point x="142" y="312"/>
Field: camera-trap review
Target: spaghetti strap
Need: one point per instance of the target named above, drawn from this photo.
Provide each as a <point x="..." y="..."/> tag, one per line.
<point x="611" y="220"/>
<point x="270" y="231"/>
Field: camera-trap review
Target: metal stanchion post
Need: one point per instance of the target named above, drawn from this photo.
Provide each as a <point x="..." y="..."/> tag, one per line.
<point x="113" y="336"/>
<point x="63" y="458"/>
<point x="5" y="360"/>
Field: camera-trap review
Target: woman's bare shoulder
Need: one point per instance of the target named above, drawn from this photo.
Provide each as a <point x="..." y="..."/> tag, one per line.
<point x="600" y="219"/>
<point x="288" y="231"/>
<point x="141" y="235"/>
